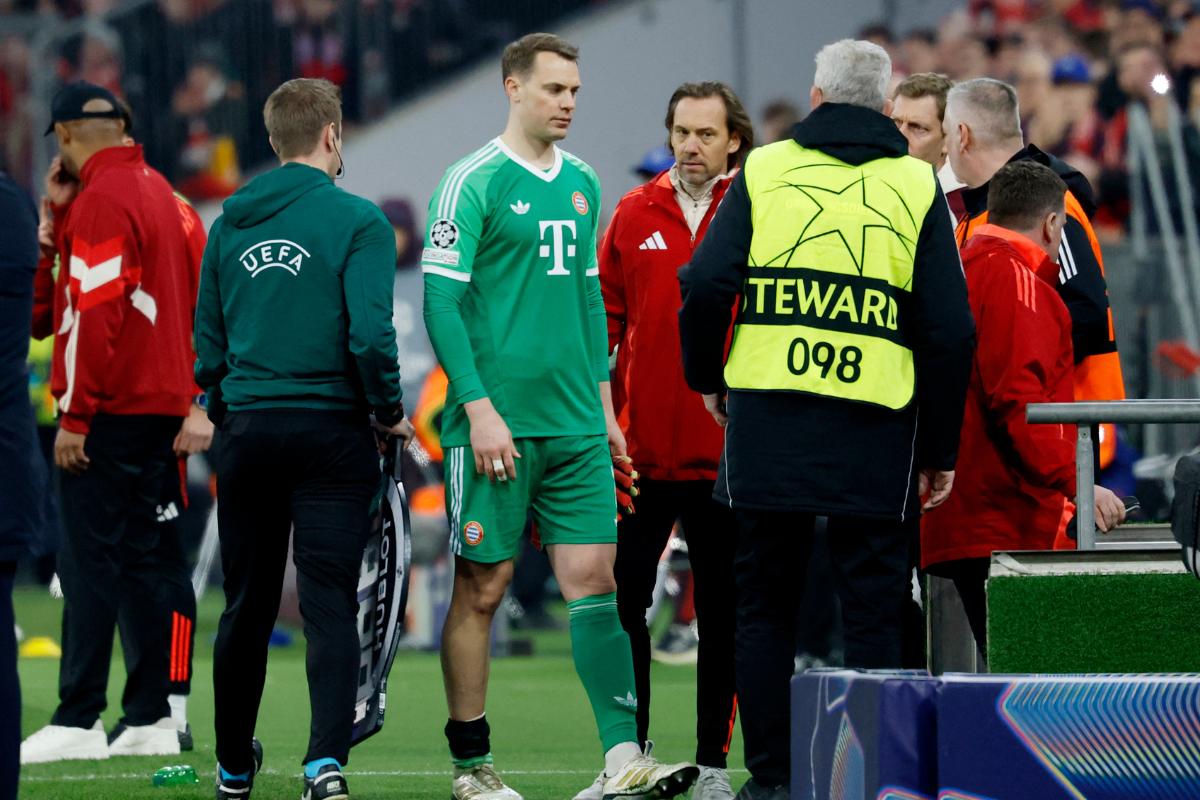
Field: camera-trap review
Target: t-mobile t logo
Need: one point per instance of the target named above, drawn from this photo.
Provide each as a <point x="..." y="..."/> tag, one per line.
<point x="561" y="250"/>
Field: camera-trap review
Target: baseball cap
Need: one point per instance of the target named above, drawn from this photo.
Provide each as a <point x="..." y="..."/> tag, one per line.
<point x="1071" y="69"/>
<point x="655" y="161"/>
<point x="68" y="104"/>
<point x="1149" y="7"/>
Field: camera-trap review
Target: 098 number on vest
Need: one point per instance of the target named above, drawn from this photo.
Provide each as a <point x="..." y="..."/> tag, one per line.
<point x="846" y="364"/>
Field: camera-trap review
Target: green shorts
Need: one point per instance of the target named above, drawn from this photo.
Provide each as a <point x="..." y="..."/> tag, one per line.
<point x="567" y="481"/>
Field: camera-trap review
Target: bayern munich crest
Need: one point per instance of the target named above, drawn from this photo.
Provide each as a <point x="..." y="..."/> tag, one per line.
<point x="473" y="533"/>
<point x="580" y="202"/>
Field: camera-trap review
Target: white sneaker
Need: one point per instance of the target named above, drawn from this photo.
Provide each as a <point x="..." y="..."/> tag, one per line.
<point x="159" y="739"/>
<point x="713" y="784"/>
<point x="593" y="792"/>
<point x="644" y="776"/>
<point x="481" y="783"/>
<point x="62" y="743"/>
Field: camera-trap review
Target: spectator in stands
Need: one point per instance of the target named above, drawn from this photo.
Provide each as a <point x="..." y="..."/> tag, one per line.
<point x="16" y="127"/>
<point x="1014" y="480"/>
<point x="778" y="117"/>
<point x="968" y="59"/>
<point x="1032" y="82"/>
<point x="879" y="33"/>
<point x="319" y="47"/>
<point x="1006" y="52"/>
<point x="998" y="17"/>
<point x="1142" y="74"/>
<point x="918" y="51"/>
<point x="1067" y="124"/>
<point x="98" y="59"/>
<point x="209" y="108"/>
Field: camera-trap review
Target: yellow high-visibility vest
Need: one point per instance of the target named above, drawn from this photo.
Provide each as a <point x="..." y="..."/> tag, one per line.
<point x="830" y="274"/>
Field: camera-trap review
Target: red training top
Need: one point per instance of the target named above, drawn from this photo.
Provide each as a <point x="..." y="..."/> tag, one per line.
<point x="1013" y="479"/>
<point x="122" y="306"/>
<point x="671" y="436"/>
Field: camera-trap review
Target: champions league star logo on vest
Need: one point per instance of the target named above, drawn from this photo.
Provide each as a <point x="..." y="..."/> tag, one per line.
<point x="273" y="253"/>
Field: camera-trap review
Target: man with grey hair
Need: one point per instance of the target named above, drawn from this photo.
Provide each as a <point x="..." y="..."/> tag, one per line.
<point x="854" y="328"/>
<point x="983" y="133"/>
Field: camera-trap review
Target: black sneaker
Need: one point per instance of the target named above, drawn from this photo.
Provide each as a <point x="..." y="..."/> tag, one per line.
<point x="186" y="743"/>
<point x="330" y="784"/>
<point x="233" y="789"/>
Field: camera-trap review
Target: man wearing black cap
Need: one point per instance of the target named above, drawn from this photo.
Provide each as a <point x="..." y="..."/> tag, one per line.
<point x="121" y="374"/>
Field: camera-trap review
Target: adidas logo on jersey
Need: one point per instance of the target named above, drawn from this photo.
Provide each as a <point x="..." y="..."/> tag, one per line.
<point x="654" y="241"/>
<point x="519" y="208"/>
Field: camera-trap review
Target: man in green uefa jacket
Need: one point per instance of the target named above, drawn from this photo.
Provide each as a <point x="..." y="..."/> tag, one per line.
<point x="295" y="346"/>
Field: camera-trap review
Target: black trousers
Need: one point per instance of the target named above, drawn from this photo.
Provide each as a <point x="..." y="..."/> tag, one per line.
<point x="10" y="688"/>
<point x="312" y="474"/>
<point x="869" y="559"/>
<point x="109" y="565"/>
<point x="710" y="530"/>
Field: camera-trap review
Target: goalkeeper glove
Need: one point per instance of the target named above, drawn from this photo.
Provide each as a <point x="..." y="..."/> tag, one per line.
<point x="626" y="479"/>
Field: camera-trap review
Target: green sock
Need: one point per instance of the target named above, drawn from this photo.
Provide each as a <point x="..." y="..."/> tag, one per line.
<point x="604" y="662"/>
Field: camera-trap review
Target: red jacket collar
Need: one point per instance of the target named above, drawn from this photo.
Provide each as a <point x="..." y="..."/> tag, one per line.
<point x="1030" y="254"/>
<point x="661" y="190"/>
<point x="110" y="157"/>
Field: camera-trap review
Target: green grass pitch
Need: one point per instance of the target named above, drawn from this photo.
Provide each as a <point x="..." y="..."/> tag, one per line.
<point x="542" y="730"/>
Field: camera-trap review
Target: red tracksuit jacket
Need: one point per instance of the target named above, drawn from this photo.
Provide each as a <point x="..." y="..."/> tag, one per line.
<point x="1013" y="479"/>
<point x="121" y="308"/>
<point x="671" y="436"/>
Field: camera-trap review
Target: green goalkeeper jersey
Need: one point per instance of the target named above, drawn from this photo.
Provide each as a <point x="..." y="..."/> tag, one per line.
<point x="512" y="293"/>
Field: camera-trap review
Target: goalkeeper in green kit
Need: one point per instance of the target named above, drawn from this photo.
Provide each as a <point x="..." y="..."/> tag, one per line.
<point x="514" y="311"/>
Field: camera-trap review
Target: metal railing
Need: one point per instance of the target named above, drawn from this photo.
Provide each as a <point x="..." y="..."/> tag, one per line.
<point x="1086" y="414"/>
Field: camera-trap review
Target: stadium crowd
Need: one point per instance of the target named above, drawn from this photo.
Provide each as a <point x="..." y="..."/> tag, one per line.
<point x="1076" y="66"/>
<point x="196" y="72"/>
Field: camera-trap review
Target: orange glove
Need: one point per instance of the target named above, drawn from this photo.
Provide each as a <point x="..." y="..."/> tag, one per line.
<point x="626" y="478"/>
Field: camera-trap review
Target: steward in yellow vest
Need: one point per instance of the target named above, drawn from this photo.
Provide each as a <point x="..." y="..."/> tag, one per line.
<point x="853" y="336"/>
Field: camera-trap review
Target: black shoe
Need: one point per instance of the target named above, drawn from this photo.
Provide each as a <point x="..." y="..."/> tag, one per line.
<point x="186" y="743"/>
<point x="330" y="784"/>
<point x="753" y="790"/>
<point x="232" y="789"/>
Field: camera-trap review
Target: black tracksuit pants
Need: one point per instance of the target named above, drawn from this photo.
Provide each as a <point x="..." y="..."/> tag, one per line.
<point x="870" y="563"/>
<point x="175" y="597"/>
<point x="710" y="530"/>
<point x="311" y="474"/>
<point x="110" y="563"/>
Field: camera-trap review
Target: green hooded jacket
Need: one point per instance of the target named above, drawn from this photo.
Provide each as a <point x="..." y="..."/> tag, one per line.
<point x="295" y="302"/>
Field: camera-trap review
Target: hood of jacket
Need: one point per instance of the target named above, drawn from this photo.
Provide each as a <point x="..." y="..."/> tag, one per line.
<point x="852" y="134"/>
<point x="271" y="193"/>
